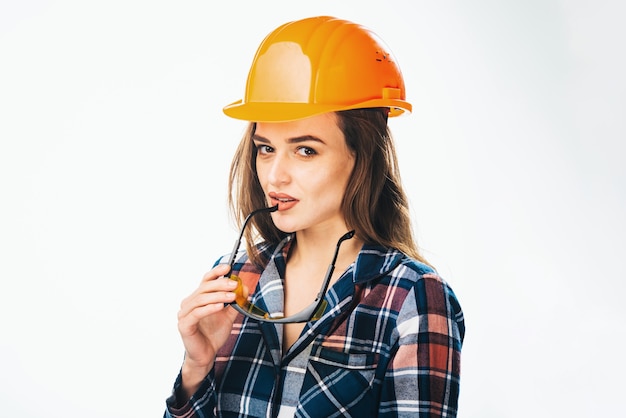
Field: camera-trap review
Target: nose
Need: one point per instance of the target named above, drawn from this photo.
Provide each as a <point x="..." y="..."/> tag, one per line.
<point x="279" y="170"/>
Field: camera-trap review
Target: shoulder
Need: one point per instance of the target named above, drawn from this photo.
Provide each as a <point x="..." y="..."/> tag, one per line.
<point x="376" y="261"/>
<point x="420" y="287"/>
<point x="431" y="290"/>
<point x="432" y="301"/>
<point x="410" y="293"/>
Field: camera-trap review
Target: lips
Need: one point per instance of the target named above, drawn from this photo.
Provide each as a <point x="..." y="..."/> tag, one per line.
<point x="284" y="201"/>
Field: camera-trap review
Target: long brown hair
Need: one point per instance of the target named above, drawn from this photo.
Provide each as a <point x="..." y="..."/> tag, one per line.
<point x="375" y="204"/>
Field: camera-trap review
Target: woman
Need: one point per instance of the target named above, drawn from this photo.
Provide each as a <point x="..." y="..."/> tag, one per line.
<point x="278" y="331"/>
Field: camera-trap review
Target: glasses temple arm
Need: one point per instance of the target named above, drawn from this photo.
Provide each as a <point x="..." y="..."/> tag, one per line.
<point x="331" y="266"/>
<point x="235" y="250"/>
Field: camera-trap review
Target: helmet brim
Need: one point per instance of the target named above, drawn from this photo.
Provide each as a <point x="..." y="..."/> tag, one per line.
<point x="286" y="112"/>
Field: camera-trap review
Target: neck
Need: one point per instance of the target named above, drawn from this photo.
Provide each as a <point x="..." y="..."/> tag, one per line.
<point x="317" y="248"/>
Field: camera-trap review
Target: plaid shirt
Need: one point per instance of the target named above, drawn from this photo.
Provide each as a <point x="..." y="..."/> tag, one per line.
<point x="388" y="345"/>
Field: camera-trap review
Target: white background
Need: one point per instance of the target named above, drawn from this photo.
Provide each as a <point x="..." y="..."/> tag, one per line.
<point x="113" y="161"/>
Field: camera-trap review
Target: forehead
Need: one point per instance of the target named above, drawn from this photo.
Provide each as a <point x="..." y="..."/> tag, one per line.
<point x="324" y="126"/>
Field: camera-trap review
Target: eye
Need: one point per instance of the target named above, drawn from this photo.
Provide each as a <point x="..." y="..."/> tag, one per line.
<point x="306" y="151"/>
<point x="264" y="149"/>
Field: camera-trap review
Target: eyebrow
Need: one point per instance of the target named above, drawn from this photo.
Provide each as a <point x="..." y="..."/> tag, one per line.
<point x="294" y="140"/>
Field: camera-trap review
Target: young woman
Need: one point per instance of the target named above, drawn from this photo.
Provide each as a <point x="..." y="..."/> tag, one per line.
<point x="330" y="310"/>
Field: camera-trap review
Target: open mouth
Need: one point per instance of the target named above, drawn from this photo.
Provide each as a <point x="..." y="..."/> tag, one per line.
<point x="283" y="201"/>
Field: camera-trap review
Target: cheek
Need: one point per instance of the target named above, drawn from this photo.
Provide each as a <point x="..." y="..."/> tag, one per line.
<point x="339" y="178"/>
<point x="345" y="171"/>
<point x="261" y="174"/>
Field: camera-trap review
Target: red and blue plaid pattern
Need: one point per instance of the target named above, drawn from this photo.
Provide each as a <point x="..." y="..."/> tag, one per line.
<point x="389" y="345"/>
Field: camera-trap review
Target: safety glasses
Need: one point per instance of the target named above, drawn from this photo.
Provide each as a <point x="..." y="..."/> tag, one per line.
<point x="312" y="312"/>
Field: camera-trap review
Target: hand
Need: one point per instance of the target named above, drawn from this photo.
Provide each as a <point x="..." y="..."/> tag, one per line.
<point x="204" y="324"/>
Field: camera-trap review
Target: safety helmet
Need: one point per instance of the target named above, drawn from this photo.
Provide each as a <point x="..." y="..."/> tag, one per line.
<point x="317" y="65"/>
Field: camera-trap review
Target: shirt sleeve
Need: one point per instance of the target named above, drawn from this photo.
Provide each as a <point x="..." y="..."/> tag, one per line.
<point x="201" y="403"/>
<point x="423" y="376"/>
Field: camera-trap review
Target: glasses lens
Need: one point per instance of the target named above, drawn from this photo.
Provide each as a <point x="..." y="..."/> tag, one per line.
<point x="311" y="313"/>
<point x="241" y="298"/>
<point x="319" y="311"/>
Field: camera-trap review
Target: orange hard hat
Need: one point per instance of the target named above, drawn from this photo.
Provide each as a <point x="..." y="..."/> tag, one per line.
<point x="318" y="65"/>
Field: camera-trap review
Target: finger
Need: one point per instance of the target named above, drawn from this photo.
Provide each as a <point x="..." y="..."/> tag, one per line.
<point x="221" y="284"/>
<point x="188" y="324"/>
<point x="202" y="299"/>
<point x="216" y="272"/>
<point x="222" y="290"/>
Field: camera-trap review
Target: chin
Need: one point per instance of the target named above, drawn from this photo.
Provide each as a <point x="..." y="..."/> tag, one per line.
<point x="283" y="226"/>
<point x="290" y="228"/>
<point x="285" y="230"/>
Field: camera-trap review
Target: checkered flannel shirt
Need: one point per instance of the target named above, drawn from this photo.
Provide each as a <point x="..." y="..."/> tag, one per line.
<point x="388" y="345"/>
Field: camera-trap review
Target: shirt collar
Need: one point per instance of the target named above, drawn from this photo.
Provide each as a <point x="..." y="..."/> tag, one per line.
<point x="373" y="260"/>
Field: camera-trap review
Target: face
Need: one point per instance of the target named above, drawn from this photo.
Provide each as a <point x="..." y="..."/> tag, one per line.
<point x="303" y="167"/>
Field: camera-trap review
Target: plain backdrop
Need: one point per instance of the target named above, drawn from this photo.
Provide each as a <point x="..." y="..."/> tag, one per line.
<point x="114" y="155"/>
